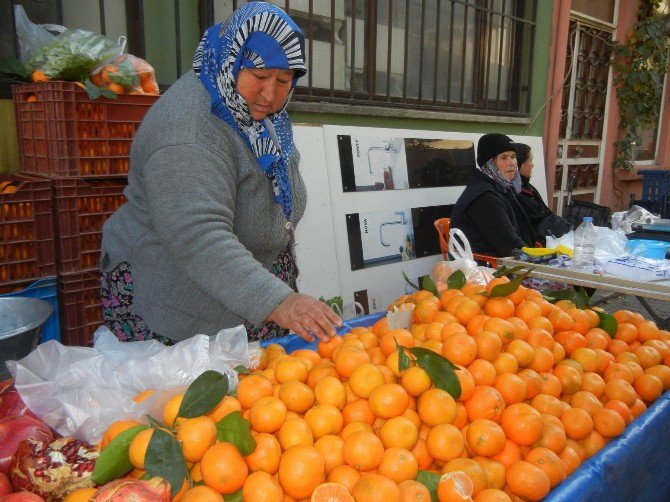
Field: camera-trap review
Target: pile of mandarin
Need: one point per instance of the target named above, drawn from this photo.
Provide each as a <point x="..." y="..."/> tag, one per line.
<point x="542" y="389"/>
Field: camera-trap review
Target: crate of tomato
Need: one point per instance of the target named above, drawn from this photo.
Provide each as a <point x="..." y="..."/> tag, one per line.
<point x="63" y="133"/>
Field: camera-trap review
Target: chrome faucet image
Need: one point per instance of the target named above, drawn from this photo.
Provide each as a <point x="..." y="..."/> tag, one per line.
<point x="388" y="147"/>
<point x="401" y="221"/>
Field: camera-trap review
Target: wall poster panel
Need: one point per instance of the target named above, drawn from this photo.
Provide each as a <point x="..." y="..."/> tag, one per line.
<point x="373" y="196"/>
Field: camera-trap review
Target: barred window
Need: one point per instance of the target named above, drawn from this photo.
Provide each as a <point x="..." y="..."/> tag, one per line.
<point x="449" y="55"/>
<point x="467" y="56"/>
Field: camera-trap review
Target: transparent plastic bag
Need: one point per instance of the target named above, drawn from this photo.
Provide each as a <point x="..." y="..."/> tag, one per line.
<point x="80" y="391"/>
<point x="127" y="74"/>
<point x="67" y="54"/>
<point x="348" y="311"/>
<point x="609" y="243"/>
<point x="32" y="37"/>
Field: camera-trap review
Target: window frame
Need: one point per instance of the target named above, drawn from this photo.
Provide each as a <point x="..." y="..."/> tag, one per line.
<point x="515" y="104"/>
<point x="659" y="127"/>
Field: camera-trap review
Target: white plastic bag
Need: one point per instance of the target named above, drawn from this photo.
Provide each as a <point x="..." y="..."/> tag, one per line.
<point x="624" y="220"/>
<point x="79" y="391"/>
<point x="460" y="251"/>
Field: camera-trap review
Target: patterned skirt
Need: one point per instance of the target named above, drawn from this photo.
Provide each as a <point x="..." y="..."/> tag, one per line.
<point x="116" y="297"/>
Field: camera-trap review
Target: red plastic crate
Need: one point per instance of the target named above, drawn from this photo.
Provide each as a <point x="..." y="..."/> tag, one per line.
<point x="81" y="207"/>
<point x="62" y="133"/>
<point x="26" y="230"/>
<point x="79" y="307"/>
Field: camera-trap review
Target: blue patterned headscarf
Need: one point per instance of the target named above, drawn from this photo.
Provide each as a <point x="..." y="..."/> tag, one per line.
<point x="257" y="35"/>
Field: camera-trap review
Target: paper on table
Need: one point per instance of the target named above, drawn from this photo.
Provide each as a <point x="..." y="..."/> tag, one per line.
<point x="638" y="268"/>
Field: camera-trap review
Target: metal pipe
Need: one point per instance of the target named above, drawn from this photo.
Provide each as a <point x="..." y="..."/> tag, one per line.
<point x="401" y="221"/>
<point x="388" y="147"/>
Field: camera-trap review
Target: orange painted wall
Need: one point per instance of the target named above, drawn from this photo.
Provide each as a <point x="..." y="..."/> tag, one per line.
<point x="614" y="191"/>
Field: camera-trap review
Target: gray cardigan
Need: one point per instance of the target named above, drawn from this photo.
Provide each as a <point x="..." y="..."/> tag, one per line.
<point x="200" y="227"/>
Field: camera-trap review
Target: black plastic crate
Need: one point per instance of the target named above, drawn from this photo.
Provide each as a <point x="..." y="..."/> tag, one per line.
<point x="577" y="209"/>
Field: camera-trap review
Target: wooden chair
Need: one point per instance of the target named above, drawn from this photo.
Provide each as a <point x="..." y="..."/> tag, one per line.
<point x="442" y="225"/>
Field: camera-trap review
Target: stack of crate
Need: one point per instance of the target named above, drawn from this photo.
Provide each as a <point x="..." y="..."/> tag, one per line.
<point x="82" y="147"/>
<point x="27" y="252"/>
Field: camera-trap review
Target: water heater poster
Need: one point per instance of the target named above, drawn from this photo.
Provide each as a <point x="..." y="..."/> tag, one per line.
<point x="378" y="297"/>
<point x="439" y="162"/>
<point x="370" y="163"/>
<point x="380" y="237"/>
<point x="377" y="163"/>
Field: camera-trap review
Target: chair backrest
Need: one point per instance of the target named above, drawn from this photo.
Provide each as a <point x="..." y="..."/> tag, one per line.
<point x="442" y="225"/>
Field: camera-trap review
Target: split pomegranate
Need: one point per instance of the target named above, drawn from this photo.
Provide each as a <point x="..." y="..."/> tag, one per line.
<point x="10" y="401"/>
<point x="15" y="429"/>
<point x="52" y="470"/>
<point x="155" y="489"/>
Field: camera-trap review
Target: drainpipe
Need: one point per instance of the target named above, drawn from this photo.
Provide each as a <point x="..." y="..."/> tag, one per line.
<point x="560" y="26"/>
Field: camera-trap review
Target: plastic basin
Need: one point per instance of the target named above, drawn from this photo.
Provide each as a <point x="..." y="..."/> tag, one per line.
<point x="21" y="321"/>
<point x="648" y="248"/>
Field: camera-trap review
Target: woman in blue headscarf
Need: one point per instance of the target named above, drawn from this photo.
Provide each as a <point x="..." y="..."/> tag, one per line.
<point x="214" y="192"/>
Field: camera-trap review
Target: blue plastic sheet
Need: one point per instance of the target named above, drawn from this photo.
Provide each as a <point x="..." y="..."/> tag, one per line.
<point x="294" y="342"/>
<point x="632" y="468"/>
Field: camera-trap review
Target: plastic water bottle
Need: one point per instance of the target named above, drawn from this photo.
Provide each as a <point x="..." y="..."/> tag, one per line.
<point x="585" y="245"/>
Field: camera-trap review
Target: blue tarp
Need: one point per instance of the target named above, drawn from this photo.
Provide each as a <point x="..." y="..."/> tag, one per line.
<point x="632" y="468"/>
<point x="294" y="342"/>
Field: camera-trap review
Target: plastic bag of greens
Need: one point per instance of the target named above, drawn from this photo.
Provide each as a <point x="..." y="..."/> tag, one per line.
<point x="51" y="52"/>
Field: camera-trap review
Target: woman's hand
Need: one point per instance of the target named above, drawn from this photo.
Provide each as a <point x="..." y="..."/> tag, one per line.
<point x="306" y="316"/>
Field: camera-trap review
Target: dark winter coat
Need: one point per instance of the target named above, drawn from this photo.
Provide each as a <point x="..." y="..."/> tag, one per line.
<point x="491" y="217"/>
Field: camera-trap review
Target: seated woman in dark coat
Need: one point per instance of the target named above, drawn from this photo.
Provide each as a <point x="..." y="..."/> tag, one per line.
<point x="488" y="211"/>
<point x="532" y="202"/>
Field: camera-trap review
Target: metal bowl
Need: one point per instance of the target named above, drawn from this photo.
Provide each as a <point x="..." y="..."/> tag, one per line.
<point x="21" y="321"/>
